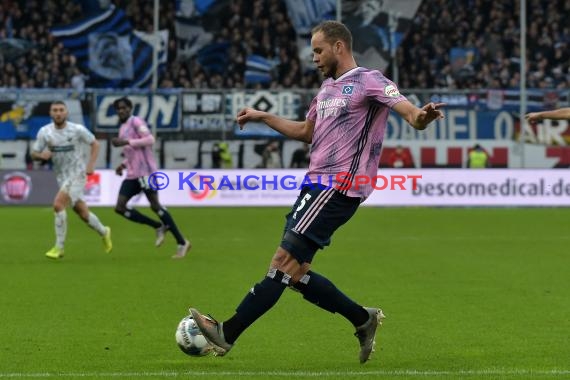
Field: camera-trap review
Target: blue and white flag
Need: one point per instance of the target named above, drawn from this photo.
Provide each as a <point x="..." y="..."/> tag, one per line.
<point x="305" y="14"/>
<point x="190" y="36"/>
<point x="90" y="7"/>
<point x="214" y="57"/>
<point x="377" y="27"/>
<point x="108" y="50"/>
<point x="258" y="69"/>
<point x="110" y="55"/>
<point x="196" y="23"/>
<point x="13" y="48"/>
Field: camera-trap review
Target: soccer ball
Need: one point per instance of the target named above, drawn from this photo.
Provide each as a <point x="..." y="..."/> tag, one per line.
<point x="190" y="339"/>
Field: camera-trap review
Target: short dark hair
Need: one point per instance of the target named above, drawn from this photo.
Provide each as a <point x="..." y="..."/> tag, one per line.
<point x="58" y="102"/>
<point x="125" y="100"/>
<point x="334" y="31"/>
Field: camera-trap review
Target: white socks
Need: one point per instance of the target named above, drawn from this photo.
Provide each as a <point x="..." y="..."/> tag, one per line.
<point x="60" y="228"/>
<point x="96" y="224"/>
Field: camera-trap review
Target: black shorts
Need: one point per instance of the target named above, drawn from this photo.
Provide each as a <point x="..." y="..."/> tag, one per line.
<point x="315" y="216"/>
<point x="131" y="187"/>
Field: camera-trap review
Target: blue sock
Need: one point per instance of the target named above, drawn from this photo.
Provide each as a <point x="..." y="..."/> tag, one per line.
<point x="167" y="220"/>
<point x="137" y="217"/>
<point x="323" y="293"/>
<point x="259" y="300"/>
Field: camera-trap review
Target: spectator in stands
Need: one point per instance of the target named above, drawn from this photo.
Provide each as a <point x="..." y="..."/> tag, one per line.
<point x="221" y="156"/>
<point x="400" y="158"/>
<point x="216" y="156"/>
<point x="478" y="158"/>
<point x="494" y="35"/>
<point x="226" y="156"/>
<point x="78" y="81"/>
<point x="300" y="158"/>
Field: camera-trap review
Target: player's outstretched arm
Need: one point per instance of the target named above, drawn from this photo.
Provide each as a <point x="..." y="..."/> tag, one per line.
<point x="92" y="157"/>
<point x="419" y="118"/>
<point x="559" y="114"/>
<point x="297" y="130"/>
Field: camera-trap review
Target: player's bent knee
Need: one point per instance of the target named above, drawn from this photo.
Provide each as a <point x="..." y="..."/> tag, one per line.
<point x="281" y="257"/>
<point x="284" y="262"/>
<point x="279" y="276"/>
<point x="58" y="205"/>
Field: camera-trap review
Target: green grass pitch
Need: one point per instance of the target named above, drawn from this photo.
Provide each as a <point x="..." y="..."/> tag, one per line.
<point x="468" y="293"/>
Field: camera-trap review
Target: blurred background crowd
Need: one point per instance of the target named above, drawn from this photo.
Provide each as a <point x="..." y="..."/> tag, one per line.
<point x="487" y="30"/>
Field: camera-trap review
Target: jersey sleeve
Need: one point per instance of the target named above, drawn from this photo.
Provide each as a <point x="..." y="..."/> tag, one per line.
<point x="381" y="90"/>
<point x="145" y="135"/>
<point x="41" y="143"/>
<point x="141" y="127"/>
<point x="85" y="135"/>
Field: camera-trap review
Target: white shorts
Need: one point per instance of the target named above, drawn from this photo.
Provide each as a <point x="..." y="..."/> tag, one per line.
<point x="74" y="187"/>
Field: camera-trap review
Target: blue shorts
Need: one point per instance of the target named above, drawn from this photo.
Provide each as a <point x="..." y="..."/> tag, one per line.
<point x="315" y="216"/>
<point x="131" y="187"/>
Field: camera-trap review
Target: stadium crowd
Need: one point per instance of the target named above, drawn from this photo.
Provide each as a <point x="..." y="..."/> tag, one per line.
<point x="490" y="35"/>
<point x="490" y="30"/>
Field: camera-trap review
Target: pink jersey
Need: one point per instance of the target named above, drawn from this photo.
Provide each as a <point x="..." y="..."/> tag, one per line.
<point x="139" y="157"/>
<point x="350" y="115"/>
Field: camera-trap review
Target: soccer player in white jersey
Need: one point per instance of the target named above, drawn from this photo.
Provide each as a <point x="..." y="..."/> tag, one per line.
<point x="345" y="124"/>
<point x="64" y="142"/>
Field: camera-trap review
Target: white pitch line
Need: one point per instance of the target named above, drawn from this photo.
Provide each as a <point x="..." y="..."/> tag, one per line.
<point x="461" y="238"/>
<point x="406" y="373"/>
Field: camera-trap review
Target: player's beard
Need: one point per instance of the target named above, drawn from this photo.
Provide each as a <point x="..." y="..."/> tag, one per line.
<point x="331" y="72"/>
<point x="124" y="118"/>
<point x="59" y="123"/>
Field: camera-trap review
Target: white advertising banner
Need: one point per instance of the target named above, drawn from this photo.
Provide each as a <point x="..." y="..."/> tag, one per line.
<point x="479" y="187"/>
<point x="402" y="187"/>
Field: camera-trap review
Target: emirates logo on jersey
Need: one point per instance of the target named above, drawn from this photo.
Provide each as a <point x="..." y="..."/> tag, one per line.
<point x="16" y="187"/>
<point x="391" y="91"/>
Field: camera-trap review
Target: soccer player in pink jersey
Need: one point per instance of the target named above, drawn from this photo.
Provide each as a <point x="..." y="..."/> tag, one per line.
<point x="345" y="124"/>
<point x="137" y="140"/>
